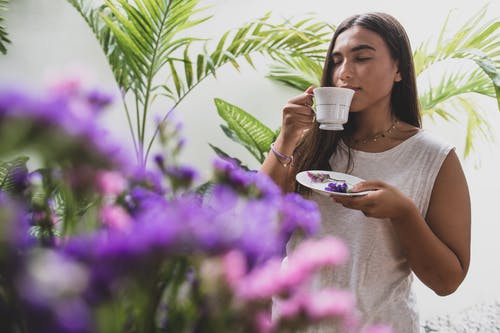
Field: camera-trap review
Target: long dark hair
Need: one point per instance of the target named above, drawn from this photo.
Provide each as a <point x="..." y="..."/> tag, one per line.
<point x="317" y="146"/>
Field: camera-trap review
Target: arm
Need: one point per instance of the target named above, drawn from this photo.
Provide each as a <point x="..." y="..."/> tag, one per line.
<point x="439" y="253"/>
<point x="437" y="247"/>
<point x="297" y="118"/>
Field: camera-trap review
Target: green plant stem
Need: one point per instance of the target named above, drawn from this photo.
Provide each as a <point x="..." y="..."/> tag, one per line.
<point x="150" y="76"/>
<point x="130" y="126"/>
<point x="157" y="129"/>
<point x="139" y="136"/>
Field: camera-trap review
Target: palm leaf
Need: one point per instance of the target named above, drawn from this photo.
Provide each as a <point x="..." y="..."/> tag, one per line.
<point x="93" y="17"/>
<point x="297" y="72"/>
<point x="475" y="41"/>
<point x="140" y="38"/>
<point x="250" y="131"/>
<point x="304" y="39"/>
<point x="477" y="126"/>
<point x="455" y="83"/>
<point x="4" y="37"/>
<point x="146" y="33"/>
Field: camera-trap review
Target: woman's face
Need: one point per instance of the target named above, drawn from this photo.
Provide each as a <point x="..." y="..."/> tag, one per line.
<point x="362" y="62"/>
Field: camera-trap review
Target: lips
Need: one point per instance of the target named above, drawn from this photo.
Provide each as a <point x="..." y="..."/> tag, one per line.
<point x="351" y="87"/>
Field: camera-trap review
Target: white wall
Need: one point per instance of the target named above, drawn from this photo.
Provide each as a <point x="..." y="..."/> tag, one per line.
<point x="49" y="36"/>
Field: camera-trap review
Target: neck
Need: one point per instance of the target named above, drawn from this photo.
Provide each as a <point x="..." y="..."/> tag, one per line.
<point x="367" y="124"/>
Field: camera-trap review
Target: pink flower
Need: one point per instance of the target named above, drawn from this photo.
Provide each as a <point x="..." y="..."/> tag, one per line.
<point x="111" y="183"/>
<point x="234" y="267"/>
<point x="115" y="217"/>
<point x="319" y="253"/>
<point x="262" y="282"/>
<point x="264" y="322"/>
<point x="311" y="256"/>
<point x="291" y="307"/>
<point x="378" y="329"/>
<point x="328" y="303"/>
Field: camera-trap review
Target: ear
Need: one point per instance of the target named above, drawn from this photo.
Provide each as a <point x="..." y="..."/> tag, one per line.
<point x="397" y="76"/>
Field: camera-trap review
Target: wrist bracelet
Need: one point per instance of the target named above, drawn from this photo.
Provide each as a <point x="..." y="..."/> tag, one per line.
<point x="283" y="159"/>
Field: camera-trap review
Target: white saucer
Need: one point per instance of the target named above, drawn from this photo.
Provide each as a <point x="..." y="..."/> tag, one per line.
<point x="319" y="187"/>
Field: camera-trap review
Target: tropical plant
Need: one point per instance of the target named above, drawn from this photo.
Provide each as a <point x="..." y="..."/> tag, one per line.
<point x="150" y="51"/>
<point x="4" y="38"/>
<point x="476" y="44"/>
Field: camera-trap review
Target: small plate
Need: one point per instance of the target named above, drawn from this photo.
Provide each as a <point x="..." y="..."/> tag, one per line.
<point x="319" y="187"/>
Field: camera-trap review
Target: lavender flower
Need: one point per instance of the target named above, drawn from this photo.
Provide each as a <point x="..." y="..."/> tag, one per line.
<point x="318" y="177"/>
<point x="246" y="183"/>
<point x="337" y="187"/>
<point x="181" y="176"/>
<point x="299" y="213"/>
<point x="64" y="122"/>
<point x="98" y="100"/>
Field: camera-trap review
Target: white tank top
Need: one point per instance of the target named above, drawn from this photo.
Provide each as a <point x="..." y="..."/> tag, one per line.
<point x="377" y="271"/>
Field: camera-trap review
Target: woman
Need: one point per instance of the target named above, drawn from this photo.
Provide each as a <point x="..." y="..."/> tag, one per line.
<point x="417" y="218"/>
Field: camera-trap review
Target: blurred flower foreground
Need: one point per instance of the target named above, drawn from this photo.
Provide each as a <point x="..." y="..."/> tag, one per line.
<point x="90" y="242"/>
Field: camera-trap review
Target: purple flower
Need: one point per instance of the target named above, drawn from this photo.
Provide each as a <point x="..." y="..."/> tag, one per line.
<point x="147" y="179"/>
<point x="65" y="122"/>
<point x="299" y="213"/>
<point x="14" y="226"/>
<point x="98" y="100"/>
<point x="181" y="176"/>
<point x="246" y="183"/>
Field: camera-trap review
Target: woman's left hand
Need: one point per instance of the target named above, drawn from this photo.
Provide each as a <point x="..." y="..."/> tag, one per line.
<point x="383" y="200"/>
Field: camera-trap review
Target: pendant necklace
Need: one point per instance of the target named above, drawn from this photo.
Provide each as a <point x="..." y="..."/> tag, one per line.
<point x="376" y="136"/>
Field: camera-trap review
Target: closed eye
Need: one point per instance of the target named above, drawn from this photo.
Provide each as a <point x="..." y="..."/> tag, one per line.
<point x="361" y="59"/>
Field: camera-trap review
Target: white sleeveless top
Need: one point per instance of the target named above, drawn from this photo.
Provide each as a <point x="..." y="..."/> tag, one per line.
<point x="377" y="271"/>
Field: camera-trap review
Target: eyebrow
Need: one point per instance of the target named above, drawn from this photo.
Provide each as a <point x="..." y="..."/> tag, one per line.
<point x="357" y="48"/>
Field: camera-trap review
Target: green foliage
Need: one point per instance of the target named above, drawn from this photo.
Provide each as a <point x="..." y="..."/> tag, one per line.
<point x="298" y="72"/>
<point x="149" y="49"/>
<point x="10" y="172"/>
<point x="476" y="46"/>
<point x="245" y="129"/>
<point x="4" y="37"/>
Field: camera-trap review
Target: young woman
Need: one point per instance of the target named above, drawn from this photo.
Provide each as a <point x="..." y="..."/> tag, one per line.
<point x="417" y="218"/>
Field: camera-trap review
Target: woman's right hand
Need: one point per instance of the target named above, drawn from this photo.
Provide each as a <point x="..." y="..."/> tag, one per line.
<point x="298" y="117"/>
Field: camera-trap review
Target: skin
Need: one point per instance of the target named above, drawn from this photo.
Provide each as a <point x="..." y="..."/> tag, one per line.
<point x="437" y="246"/>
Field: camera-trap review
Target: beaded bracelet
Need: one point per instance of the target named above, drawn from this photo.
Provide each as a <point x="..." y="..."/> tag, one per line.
<point x="283" y="159"/>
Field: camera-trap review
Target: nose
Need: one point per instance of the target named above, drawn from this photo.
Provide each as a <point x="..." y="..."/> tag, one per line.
<point x="344" y="70"/>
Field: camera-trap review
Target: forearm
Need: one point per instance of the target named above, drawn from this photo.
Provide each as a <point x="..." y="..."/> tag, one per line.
<point x="435" y="264"/>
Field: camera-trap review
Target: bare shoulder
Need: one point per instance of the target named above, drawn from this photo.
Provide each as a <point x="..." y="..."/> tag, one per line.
<point x="450" y="200"/>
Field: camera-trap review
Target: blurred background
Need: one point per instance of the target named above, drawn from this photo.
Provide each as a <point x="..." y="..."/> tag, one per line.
<point x="49" y="38"/>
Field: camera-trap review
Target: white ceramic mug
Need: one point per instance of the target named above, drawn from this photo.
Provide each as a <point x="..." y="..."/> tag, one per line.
<point x="331" y="105"/>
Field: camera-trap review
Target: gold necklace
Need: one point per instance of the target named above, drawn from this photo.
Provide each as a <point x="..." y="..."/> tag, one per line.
<point x="376" y="136"/>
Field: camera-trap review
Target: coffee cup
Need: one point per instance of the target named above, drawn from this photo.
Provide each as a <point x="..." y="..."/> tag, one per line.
<point x="331" y="105"/>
